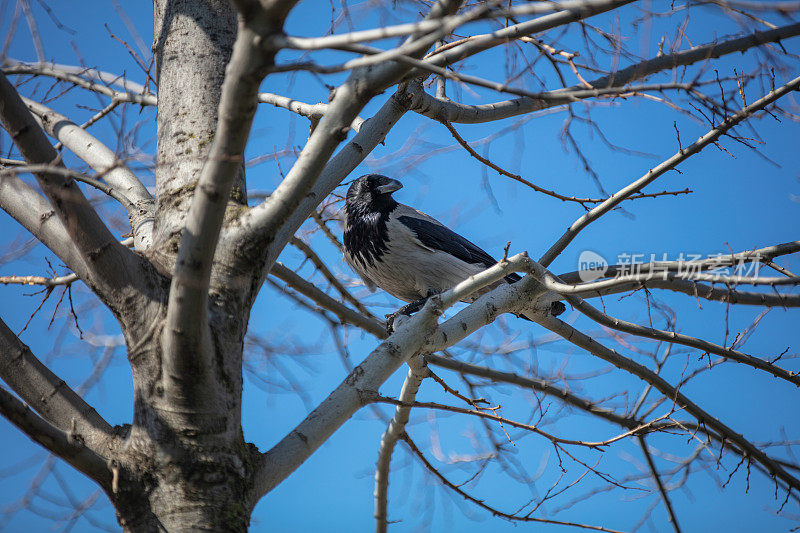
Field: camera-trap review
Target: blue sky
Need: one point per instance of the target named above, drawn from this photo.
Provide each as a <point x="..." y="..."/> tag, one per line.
<point x="737" y="203"/>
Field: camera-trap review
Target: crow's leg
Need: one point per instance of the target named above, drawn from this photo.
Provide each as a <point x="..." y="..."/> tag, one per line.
<point x="407" y="310"/>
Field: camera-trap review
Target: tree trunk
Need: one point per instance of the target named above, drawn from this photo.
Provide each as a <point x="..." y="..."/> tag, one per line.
<point x="192" y="44"/>
<point x="183" y="464"/>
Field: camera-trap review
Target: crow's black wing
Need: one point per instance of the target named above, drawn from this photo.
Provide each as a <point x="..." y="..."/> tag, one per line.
<point x="438" y="237"/>
<point x="433" y="234"/>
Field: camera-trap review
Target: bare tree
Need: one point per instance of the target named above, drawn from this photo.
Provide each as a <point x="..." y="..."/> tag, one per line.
<point x="181" y="282"/>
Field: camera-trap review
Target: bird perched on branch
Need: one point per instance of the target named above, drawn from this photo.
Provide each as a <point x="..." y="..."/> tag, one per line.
<point x="405" y="252"/>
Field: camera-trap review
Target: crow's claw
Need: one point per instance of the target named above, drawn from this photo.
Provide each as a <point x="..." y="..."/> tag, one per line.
<point x="390" y="318"/>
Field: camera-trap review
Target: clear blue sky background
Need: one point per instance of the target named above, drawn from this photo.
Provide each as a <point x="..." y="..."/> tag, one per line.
<point x="737" y="203"/>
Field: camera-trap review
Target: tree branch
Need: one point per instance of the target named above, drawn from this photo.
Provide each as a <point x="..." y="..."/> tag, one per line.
<point x="679" y="338"/>
<point x="271" y="216"/>
<point x="480" y="503"/>
<point x="667" y="271"/>
<point x="540" y="385"/>
<point x="88" y="148"/>
<point x="650" y="463"/>
<point x="551" y="283"/>
<point x="78" y="176"/>
<point x="625" y="421"/>
<point x="133" y="92"/>
<point x="345" y="314"/>
<point x="768" y="253"/>
<point x="479" y="43"/>
<point x="36" y="215"/>
<point x="442" y="27"/>
<point x="362" y="384"/>
<point x="330" y="277"/>
<point x="105" y="162"/>
<point x="65" y="446"/>
<point x="701" y="290"/>
<point x="643" y="278"/>
<point x="358" y="389"/>
<point x="417" y="372"/>
<point x="596" y="445"/>
<point x="49" y="395"/>
<point x="454" y="112"/>
<point x="187" y="340"/>
<point x="39" y="280"/>
<point x="311" y="111"/>
<point x="516" y="177"/>
<point x="661" y="169"/>
<point x="406" y="53"/>
<point x="110" y="266"/>
<point x="623" y="363"/>
<point x="306" y="184"/>
<point x="279" y="216"/>
<point x="780" y="6"/>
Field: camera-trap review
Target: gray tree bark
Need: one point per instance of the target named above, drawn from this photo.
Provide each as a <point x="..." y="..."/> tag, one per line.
<point x="183" y="296"/>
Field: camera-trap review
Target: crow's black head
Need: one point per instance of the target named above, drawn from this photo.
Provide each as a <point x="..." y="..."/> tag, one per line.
<point x="367" y="208"/>
<point x="372" y="189"/>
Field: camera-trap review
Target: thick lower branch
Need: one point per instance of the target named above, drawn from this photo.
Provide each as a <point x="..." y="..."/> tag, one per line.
<point x="49" y="395"/>
<point x="358" y="389"/>
<point x="67" y="446"/>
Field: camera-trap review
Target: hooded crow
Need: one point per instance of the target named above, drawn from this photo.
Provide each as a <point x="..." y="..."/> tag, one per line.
<point x="405" y="252"/>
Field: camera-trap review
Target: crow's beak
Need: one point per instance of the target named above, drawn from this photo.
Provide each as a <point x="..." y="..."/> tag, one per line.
<point x="389" y="187"/>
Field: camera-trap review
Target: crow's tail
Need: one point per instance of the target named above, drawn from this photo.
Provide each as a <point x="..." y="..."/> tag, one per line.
<point x="556" y="308"/>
